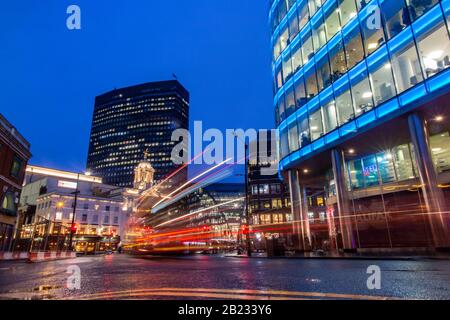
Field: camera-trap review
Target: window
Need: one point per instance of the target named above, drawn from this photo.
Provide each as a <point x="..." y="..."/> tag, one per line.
<point x="370" y="171"/>
<point x="107" y="208"/>
<point x="293" y="137"/>
<point x="403" y="162"/>
<point x="254" y="190"/>
<point x="106" y="219"/>
<point x="314" y="5"/>
<point x="361" y="92"/>
<point x="8" y="203"/>
<point x="307" y="47"/>
<point x="275" y="188"/>
<point x="329" y="116"/>
<point x="332" y="22"/>
<point x="353" y="47"/>
<point x="434" y="48"/>
<point x="84" y="218"/>
<point x="95" y="218"/>
<point x="319" y="35"/>
<point x="418" y="7"/>
<point x="290" y="101"/>
<point x="337" y="61"/>
<point x="311" y="83"/>
<point x="303" y="15"/>
<point x="263" y="189"/>
<point x="293" y="27"/>
<point x="440" y="149"/>
<point x="323" y="72"/>
<point x="86" y="206"/>
<point x="281" y="108"/>
<point x="277" y="218"/>
<point x="116" y="220"/>
<point x="355" y="172"/>
<point x="373" y="35"/>
<point x="386" y="167"/>
<point x="284" y="38"/>
<point x="296" y="57"/>
<point x="315" y="124"/>
<point x="344" y="104"/>
<point x="284" y="144"/>
<point x="300" y="92"/>
<point x="303" y="130"/>
<point x="395" y="15"/>
<point x="382" y="81"/>
<point x="16" y="167"/>
<point x="347" y="10"/>
<point x="287" y="67"/>
<point x="406" y="66"/>
<point x="265" y="219"/>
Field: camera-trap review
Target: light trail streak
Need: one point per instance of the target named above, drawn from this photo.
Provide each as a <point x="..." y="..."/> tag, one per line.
<point x="200" y="211"/>
<point x="191" y="180"/>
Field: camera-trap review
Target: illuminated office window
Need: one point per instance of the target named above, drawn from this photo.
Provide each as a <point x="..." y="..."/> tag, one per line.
<point x="395" y="16"/>
<point x="362" y="93"/>
<point x="303" y="130"/>
<point x="434" y="48"/>
<point x="382" y="81"/>
<point x="347" y="10"/>
<point x="332" y="22"/>
<point x="418" y="7"/>
<point x="344" y="105"/>
<point x="353" y="47"/>
<point x="406" y="66"/>
<point x="337" y="61"/>
<point x="329" y="116"/>
<point x="311" y="83"/>
<point x="307" y="47"/>
<point x="373" y="36"/>
<point x="315" y="125"/>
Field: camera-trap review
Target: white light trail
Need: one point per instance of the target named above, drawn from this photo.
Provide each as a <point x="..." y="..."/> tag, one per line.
<point x="200" y="211"/>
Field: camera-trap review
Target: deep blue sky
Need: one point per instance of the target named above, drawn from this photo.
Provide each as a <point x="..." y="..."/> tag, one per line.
<point x="49" y="76"/>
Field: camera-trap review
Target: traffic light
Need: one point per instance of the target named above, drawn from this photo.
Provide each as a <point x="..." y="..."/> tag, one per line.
<point x="245" y="229"/>
<point x="73" y="228"/>
<point x="205" y="228"/>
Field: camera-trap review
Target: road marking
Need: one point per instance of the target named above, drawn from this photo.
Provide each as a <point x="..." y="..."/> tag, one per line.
<point x="236" y="293"/>
<point x="191" y="295"/>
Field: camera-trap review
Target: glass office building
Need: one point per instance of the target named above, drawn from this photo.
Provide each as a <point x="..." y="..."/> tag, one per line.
<point x="136" y="123"/>
<point x="361" y="98"/>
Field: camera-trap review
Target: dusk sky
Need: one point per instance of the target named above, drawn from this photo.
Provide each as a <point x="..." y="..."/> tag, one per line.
<point x="49" y="77"/>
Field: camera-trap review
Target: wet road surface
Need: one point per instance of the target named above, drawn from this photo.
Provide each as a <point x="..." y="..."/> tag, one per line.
<point x="217" y="277"/>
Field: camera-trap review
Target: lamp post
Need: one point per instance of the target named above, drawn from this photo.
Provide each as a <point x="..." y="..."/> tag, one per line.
<point x="72" y="229"/>
<point x="247" y="213"/>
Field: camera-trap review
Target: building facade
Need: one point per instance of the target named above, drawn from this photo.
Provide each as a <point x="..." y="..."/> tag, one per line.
<point x="361" y="94"/>
<point x="47" y="205"/>
<point x="269" y="200"/>
<point x="14" y="155"/>
<point x="207" y="218"/>
<point x="134" y="123"/>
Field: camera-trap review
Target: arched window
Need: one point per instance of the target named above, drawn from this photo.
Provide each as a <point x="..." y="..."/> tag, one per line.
<point x="8" y="203"/>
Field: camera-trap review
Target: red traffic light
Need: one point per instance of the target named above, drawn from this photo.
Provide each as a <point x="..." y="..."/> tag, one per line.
<point x="73" y="228"/>
<point x="205" y="228"/>
<point x="245" y="229"/>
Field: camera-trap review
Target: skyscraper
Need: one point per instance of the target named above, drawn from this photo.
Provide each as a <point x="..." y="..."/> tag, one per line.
<point x="362" y="102"/>
<point x="136" y="123"/>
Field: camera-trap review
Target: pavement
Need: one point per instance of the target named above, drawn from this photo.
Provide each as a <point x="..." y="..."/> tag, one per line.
<point x="120" y="276"/>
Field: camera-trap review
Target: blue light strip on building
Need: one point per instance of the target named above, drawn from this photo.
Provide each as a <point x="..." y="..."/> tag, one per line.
<point x="430" y="85"/>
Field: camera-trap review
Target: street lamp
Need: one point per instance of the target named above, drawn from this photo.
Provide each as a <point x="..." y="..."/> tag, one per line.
<point x="73" y="228"/>
<point x="247" y="213"/>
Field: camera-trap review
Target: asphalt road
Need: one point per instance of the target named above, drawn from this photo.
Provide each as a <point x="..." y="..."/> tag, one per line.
<point x="218" y="277"/>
